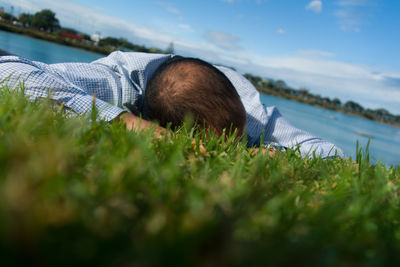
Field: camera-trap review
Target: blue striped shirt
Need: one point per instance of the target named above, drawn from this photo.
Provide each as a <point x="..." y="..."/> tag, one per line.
<point x="119" y="80"/>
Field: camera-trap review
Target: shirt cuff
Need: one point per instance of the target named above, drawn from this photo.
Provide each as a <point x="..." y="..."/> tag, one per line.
<point x="82" y="104"/>
<point x="324" y="150"/>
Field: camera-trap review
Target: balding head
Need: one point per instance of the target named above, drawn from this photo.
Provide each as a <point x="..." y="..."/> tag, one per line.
<point x="192" y="87"/>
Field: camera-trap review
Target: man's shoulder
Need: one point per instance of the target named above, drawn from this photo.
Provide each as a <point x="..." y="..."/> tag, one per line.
<point x="119" y="57"/>
<point x="20" y="63"/>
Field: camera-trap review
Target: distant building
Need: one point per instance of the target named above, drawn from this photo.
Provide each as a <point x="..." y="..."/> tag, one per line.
<point x="96" y="38"/>
<point x="1" y="10"/>
<point x="72" y="36"/>
<point x="17" y="23"/>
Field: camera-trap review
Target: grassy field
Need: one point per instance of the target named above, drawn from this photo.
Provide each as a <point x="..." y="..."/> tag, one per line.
<point x="80" y="192"/>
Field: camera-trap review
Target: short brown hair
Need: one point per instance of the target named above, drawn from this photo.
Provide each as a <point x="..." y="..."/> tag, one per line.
<point x="190" y="86"/>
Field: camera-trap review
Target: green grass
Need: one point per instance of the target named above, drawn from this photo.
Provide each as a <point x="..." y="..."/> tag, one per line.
<point x="79" y="192"/>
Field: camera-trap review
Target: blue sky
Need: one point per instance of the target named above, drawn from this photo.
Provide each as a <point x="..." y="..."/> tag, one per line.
<point x="338" y="48"/>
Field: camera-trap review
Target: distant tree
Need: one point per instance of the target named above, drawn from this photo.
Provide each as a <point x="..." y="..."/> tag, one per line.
<point x="270" y="85"/>
<point x="70" y="30"/>
<point x="249" y="77"/>
<point x="109" y="41"/>
<point x="303" y="92"/>
<point x="7" y="17"/>
<point x="25" y="19"/>
<point x="336" y="102"/>
<point x="154" y="50"/>
<point x="128" y="46"/>
<point x="327" y="100"/>
<point x="45" y="20"/>
<point x="86" y="36"/>
<point x="369" y="114"/>
<point x="353" y="106"/>
<point x="317" y="99"/>
<point x="170" y="49"/>
<point x="280" y="84"/>
<point x="124" y="45"/>
<point x="255" y="80"/>
<point x="265" y="83"/>
<point x="382" y="112"/>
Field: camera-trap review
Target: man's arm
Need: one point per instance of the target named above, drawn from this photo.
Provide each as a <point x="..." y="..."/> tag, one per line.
<point x="135" y="123"/>
<point x="281" y="131"/>
<point x="39" y="82"/>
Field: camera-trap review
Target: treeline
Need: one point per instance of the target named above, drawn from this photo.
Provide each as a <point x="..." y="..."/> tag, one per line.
<point x="281" y="89"/>
<point x="122" y="44"/>
<point x="45" y="25"/>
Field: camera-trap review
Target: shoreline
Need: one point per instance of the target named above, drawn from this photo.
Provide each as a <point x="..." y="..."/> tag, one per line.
<point x="4" y="53"/>
<point x="333" y="108"/>
<point x="53" y="38"/>
<point x="105" y="51"/>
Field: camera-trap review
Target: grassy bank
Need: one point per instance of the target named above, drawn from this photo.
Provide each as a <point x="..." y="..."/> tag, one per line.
<point x="75" y="192"/>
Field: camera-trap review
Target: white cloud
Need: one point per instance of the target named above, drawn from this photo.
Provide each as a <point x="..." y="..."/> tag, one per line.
<point x="352" y="3"/>
<point x="223" y="40"/>
<point x="170" y="8"/>
<point x="352" y="14"/>
<point x="258" y="2"/>
<point x="315" y="53"/>
<point x="239" y="16"/>
<point x="331" y="78"/>
<point x="281" y="31"/>
<point x="22" y="4"/>
<point x="315" y="6"/>
<point x="186" y="27"/>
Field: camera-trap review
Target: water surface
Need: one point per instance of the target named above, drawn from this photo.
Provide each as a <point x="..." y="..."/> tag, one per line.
<point x="43" y="51"/>
<point x="342" y="129"/>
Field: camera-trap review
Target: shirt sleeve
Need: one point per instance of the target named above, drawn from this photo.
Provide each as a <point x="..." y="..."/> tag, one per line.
<point x="281" y="131"/>
<point x="40" y="82"/>
<point x="268" y="123"/>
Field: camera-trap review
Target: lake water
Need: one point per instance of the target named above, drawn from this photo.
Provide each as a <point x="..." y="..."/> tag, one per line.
<point x="341" y="129"/>
<point x="43" y="51"/>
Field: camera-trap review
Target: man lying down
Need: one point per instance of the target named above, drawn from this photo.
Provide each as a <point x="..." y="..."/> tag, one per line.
<point x="162" y="88"/>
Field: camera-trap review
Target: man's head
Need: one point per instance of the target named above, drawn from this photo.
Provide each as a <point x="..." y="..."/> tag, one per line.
<point x="192" y="87"/>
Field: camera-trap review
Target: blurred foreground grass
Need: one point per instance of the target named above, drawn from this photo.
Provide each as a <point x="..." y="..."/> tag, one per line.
<point x="75" y="192"/>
